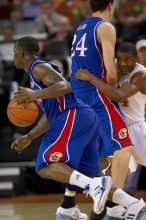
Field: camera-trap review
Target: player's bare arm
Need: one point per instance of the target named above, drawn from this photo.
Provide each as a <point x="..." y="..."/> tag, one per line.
<point x="137" y="83"/>
<point x="41" y="127"/>
<point x="55" y="83"/>
<point x="24" y="141"/>
<point x="107" y="37"/>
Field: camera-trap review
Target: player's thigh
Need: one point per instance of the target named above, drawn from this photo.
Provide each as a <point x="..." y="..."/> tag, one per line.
<point x="114" y="132"/>
<point x="137" y="134"/>
<point x="89" y="163"/>
<point x="67" y="138"/>
<point x="55" y="141"/>
<point x="86" y="125"/>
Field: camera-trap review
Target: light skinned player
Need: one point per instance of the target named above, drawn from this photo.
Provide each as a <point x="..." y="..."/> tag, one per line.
<point x="132" y="98"/>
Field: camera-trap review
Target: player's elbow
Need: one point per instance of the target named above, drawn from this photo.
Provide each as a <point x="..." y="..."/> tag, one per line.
<point x="112" y="81"/>
<point x="66" y="88"/>
<point x="119" y="98"/>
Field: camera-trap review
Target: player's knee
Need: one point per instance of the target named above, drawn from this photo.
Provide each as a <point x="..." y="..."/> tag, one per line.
<point x="118" y="153"/>
<point x="45" y="173"/>
<point x="48" y="172"/>
<point x="41" y="173"/>
<point x="122" y="153"/>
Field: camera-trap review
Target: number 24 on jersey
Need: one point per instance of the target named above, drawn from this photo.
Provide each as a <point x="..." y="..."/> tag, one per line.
<point x="80" y="46"/>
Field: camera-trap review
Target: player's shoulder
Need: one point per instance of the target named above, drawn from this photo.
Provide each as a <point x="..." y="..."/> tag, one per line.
<point x="140" y="67"/>
<point x="106" y="26"/>
<point x="139" y="76"/>
<point x="106" y="31"/>
<point x="42" y="66"/>
<point x="139" y="71"/>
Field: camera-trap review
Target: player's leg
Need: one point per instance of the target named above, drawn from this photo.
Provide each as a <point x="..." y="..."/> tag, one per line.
<point x="66" y="145"/>
<point x="116" y="195"/>
<point x="93" y="159"/>
<point x="137" y="134"/>
<point x="114" y="134"/>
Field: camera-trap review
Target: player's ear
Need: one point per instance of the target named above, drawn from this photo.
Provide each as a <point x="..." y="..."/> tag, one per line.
<point x="21" y="52"/>
<point x="110" y="7"/>
<point x="137" y="58"/>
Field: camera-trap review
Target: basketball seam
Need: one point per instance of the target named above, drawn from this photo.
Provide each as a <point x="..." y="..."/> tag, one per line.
<point x="20" y="118"/>
<point x="29" y="109"/>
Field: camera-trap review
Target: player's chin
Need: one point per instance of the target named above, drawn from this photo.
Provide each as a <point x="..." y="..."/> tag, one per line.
<point x="16" y="64"/>
<point x="124" y="71"/>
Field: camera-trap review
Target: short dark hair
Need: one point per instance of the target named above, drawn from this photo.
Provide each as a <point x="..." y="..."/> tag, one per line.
<point x="127" y="47"/>
<point x="29" y="44"/>
<point x="99" y="5"/>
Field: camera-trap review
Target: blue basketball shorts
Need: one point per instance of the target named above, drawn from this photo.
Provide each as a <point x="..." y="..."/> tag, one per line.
<point x="113" y="129"/>
<point x="73" y="139"/>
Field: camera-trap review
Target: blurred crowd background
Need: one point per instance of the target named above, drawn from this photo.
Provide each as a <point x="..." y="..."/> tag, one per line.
<point x="53" y="23"/>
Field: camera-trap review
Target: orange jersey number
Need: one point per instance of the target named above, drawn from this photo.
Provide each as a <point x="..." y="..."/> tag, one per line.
<point x="125" y="102"/>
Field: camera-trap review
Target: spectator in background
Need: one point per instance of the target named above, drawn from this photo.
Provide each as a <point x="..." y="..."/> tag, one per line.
<point x="8" y="33"/>
<point x="16" y="15"/>
<point x="76" y="10"/>
<point x="131" y="20"/>
<point x="48" y="18"/>
<point x="4" y="97"/>
<point x="63" y="32"/>
<point x="5" y="9"/>
<point x="57" y="46"/>
<point x="141" y="48"/>
<point x="84" y="9"/>
<point x="31" y="9"/>
<point x="7" y="70"/>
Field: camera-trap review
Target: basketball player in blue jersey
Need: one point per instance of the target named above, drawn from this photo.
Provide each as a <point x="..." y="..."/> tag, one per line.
<point x="69" y="149"/>
<point x="93" y="48"/>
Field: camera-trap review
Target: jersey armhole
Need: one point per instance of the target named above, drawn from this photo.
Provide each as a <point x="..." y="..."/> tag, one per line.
<point x="97" y="32"/>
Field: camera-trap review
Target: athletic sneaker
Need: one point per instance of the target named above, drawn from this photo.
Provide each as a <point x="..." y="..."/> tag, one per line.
<point x="136" y="211"/>
<point x="99" y="189"/>
<point x="115" y="213"/>
<point x="69" y="214"/>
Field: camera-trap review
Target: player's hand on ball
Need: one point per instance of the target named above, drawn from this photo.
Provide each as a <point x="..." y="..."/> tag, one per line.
<point x="25" y="95"/>
<point x="21" y="143"/>
<point x="83" y="74"/>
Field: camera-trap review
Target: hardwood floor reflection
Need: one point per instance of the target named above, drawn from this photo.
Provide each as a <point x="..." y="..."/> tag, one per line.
<point x="34" y="211"/>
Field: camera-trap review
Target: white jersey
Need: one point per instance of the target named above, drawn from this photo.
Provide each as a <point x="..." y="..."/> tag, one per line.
<point x="134" y="107"/>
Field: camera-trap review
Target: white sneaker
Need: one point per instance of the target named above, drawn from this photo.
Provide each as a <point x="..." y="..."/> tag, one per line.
<point x="136" y="211"/>
<point x="69" y="214"/>
<point x="99" y="189"/>
<point x="115" y="213"/>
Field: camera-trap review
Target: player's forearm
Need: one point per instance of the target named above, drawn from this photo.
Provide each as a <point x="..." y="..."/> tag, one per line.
<point x="39" y="129"/>
<point x="108" y="90"/>
<point x="54" y="91"/>
<point x="112" y="76"/>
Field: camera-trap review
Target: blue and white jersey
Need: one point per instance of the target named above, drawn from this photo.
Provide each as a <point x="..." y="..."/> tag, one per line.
<point x="54" y="106"/>
<point x="87" y="54"/>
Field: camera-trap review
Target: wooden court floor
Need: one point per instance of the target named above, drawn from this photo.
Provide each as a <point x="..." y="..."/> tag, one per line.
<point x="41" y="207"/>
<point x="37" y="207"/>
<point x="34" y="211"/>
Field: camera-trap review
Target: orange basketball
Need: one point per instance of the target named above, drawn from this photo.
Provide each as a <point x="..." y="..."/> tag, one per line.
<point x="20" y="115"/>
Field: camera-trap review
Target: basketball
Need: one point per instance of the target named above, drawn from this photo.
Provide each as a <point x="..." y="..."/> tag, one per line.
<point x="20" y="115"/>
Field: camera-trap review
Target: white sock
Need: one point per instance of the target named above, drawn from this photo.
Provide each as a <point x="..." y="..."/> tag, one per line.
<point x="79" y="179"/>
<point x="70" y="193"/>
<point x="123" y="199"/>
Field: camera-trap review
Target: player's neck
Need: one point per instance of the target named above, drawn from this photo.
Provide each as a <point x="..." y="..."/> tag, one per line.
<point x="104" y="15"/>
<point x="28" y="62"/>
